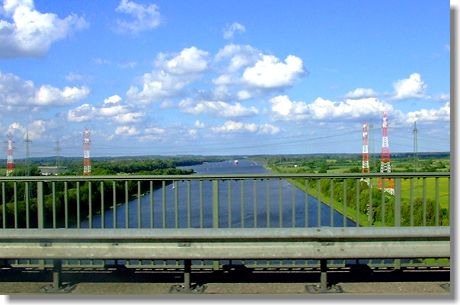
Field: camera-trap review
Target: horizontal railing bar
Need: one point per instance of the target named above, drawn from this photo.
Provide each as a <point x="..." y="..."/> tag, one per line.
<point x="224" y="234"/>
<point x="221" y="176"/>
<point x="231" y="250"/>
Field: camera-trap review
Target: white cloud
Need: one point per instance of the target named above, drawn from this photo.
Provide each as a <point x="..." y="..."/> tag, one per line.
<point x="269" y="72"/>
<point x="430" y="115"/>
<point x="217" y="108"/>
<point x="156" y="86"/>
<point x="144" y="17"/>
<point x="113" y="108"/>
<point x="175" y="71"/>
<point x="15" y="92"/>
<point x="359" y="93"/>
<point x="412" y="87"/>
<point x="34" y="130"/>
<point x="199" y="124"/>
<point x="235" y="27"/>
<point x="323" y="109"/>
<point x="82" y="113"/>
<point x="238" y="127"/>
<point x="126" y="131"/>
<point x="244" y="95"/>
<point x="189" y="61"/>
<point x="114" y="99"/>
<point x="130" y="117"/>
<point x="51" y="96"/>
<point x="30" y="32"/>
<point x="238" y="56"/>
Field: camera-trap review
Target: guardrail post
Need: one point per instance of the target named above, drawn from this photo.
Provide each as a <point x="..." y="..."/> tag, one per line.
<point x="323" y="286"/>
<point x="187" y="286"/>
<point x="57" y="286"/>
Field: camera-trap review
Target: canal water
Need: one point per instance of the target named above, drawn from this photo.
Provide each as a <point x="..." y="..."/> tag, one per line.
<point x="242" y="203"/>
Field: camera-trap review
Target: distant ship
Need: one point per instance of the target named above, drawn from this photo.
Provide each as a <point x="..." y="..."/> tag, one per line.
<point x="235" y="162"/>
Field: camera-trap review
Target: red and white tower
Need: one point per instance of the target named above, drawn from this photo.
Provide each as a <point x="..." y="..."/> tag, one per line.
<point x="385" y="165"/>
<point x="9" y="156"/>
<point x="86" y="148"/>
<point x="365" y="163"/>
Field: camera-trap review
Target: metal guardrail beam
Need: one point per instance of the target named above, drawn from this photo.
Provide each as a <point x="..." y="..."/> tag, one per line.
<point x="226" y="234"/>
<point x="321" y="243"/>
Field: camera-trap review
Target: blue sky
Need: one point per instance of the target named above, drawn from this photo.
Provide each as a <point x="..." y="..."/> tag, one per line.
<point x="223" y="77"/>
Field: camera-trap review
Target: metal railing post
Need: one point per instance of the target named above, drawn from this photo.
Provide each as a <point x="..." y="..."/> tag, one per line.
<point x="215" y="213"/>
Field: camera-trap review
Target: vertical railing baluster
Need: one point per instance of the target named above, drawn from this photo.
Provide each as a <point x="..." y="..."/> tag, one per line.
<point x="215" y="204"/>
<point x="332" y="203"/>
<point x="53" y="192"/>
<point x="66" y="206"/>
<point x="139" y="220"/>
<point x="318" y="193"/>
<point x="40" y="206"/>
<point x="242" y="207"/>
<point x="215" y="213"/>
<point x="229" y="202"/>
<point x="189" y="205"/>
<point x="436" y="220"/>
<point x="358" y="201"/>
<point x="306" y="203"/>
<point x="383" y="201"/>
<point x="78" y="204"/>
<point x="267" y="202"/>
<point x="255" y="208"/>
<point x="27" y="205"/>
<point x="448" y="200"/>
<point x="114" y="204"/>
<point x="345" y="202"/>
<point x="293" y="208"/>
<point x="397" y="213"/>
<point x="126" y="205"/>
<point x="176" y="204"/>
<point x="424" y="201"/>
<point x="370" y="210"/>
<point x="411" y="222"/>
<point x="15" y="196"/>
<point x="151" y="205"/>
<point x="280" y="203"/>
<point x="163" y="203"/>
<point x="90" y="204"/>
<point x="102" y="205"/>
<point x="201" y="204"/>
<point x="3" y="205"/>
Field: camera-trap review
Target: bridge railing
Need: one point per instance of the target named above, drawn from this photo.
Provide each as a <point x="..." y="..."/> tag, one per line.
<point x="225" y="201"/>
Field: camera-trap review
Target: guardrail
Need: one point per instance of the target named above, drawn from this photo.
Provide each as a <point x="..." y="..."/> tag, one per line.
<point x="324" y="244"/>
<point x="119" y="205"/>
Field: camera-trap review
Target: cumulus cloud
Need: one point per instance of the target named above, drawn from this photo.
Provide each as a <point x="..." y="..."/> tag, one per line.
<point x="217" y="108"/>
<point x="28" y="32"/>
<point x="322" y="109"/>
<point x="238" y="127"/>
<point x="237" y="56"/>
<point x="430" y="115"/>
<point x="50" y="96"/>
<point x="359" y="93"/>
<point x="143" y="17"/>
<point x="189" y="61"/>
<point x="126" y="131"/>
<point x="113" y="108"/>
<point x="174" y="72"/>
<point x="16" y="92"/>
<point x="270" y="72"/>
<point x="34" y="131"/>
<point x="412" y="87"/>
<point x="233" y="28"/>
